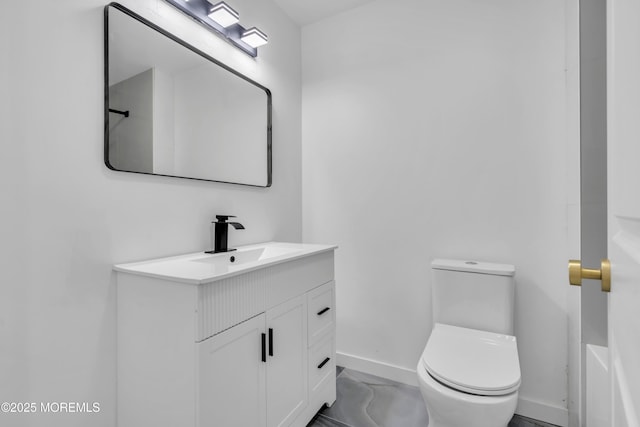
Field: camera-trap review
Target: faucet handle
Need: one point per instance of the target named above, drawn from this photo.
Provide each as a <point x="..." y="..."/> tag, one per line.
<point x="224" y="218"/>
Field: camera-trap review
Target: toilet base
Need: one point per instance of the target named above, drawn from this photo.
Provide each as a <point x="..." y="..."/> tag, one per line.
<point x="452" y="408"/>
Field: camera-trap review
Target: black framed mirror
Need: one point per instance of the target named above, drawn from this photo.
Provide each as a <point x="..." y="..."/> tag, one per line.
<point x="173" y="110"/>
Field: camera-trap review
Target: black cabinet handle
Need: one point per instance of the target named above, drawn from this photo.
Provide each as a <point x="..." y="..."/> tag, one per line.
<point x="270" y="342"/>
<point x="324" y="362"/>
<point x="264" y="347"/>
<point x="323" y="311"/>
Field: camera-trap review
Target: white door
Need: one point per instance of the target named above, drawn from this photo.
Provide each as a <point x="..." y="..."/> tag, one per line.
<point x="287" y="361"/>
<point x="623" y="151"/>
<point x="232" y="377"/>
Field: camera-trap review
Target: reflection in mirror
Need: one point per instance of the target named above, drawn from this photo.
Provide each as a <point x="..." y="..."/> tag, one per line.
<point x="172" y="110"/>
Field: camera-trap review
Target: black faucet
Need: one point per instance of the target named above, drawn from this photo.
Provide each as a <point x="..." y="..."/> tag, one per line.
<point x="222" y="232"/>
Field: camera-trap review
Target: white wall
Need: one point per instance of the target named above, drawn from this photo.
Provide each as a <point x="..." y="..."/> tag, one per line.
<point x="593" y="162"/>
<point x="438" y="129"/>
<point x="234" y="135"/>
<point x="572" y="43"/>
<point x="66" y="218"/>
<point x="131" y="144"/>
<point x="593" y="109"/>
<point x="163" y="128"/>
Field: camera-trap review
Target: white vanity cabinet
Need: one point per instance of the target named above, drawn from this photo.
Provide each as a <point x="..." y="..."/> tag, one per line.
<point x="253" y="347"/>
<point x="237" y="371"/>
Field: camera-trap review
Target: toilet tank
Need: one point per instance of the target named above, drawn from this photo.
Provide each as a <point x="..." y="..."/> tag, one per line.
<point x="473" y="294"/>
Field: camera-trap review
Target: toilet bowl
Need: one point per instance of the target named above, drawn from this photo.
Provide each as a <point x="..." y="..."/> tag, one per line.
<point x="469" y="372"/>
<point x="469" y="378"/>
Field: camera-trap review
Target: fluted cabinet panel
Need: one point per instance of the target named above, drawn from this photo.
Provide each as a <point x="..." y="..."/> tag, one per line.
<point x="228" y="302"/>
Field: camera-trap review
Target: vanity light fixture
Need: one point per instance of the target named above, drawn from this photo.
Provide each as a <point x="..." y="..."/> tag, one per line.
<point x="254" y="37"/>
<point x="224" y="15"/>
<point x="222" y="20"/>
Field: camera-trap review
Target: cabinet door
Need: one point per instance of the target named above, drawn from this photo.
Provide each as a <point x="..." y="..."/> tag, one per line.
<point x="232" y="377"/>
<point x="287" y="361"/>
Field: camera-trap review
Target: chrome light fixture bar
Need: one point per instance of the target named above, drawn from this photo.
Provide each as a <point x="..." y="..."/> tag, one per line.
<point x="222" y="20"/>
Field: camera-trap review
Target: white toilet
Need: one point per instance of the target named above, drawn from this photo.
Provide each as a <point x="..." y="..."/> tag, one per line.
<point x="469" y="372"/>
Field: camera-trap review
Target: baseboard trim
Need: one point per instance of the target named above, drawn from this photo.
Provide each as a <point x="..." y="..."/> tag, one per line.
<point x="543" y="412"/>
<point x="526" y="407"/>
<point x="381" y="369"/>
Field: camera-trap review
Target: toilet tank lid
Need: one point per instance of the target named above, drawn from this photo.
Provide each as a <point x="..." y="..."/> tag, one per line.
<point x="473" y="266"/>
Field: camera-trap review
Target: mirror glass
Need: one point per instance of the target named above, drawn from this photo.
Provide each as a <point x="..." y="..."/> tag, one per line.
<point x="172" y="110"/>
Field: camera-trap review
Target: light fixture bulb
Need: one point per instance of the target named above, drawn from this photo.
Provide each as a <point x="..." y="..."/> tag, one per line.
<point x="223" y="14"/>
<point x="254" y="37"/>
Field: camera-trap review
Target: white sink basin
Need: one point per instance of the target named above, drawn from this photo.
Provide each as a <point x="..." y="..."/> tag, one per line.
<point x="202" y="268"/>
<point x="246" y="255"/>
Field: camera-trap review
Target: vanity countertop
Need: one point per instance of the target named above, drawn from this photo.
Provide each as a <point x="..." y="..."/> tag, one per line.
<point x="200" y="267"/>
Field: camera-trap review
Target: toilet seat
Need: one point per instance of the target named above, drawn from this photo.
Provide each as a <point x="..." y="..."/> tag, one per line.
<point x="472" y="361"/>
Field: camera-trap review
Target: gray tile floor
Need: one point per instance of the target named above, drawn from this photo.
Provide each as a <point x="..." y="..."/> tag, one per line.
<point x="365" y="400"/>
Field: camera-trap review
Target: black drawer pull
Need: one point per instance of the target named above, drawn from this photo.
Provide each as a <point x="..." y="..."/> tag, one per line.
<point x="324" y="362"/>
<point x="323" y="311"/>
<point x="264" y="347"/>
<point x="271" y="342"/>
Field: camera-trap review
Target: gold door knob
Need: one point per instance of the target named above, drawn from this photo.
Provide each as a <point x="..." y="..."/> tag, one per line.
<point x="577" y="273"/>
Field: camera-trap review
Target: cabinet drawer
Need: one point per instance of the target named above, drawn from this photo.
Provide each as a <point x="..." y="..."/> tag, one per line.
<point x="321" y="311"/>
<point x="322" y="361"/>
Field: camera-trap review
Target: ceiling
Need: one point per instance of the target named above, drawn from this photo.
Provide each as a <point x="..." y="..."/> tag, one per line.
<point x="306" y="12"/>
